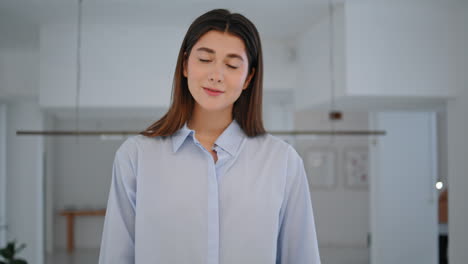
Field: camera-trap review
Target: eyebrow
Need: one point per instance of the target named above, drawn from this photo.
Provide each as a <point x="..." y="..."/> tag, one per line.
<point x="230" y="55"/>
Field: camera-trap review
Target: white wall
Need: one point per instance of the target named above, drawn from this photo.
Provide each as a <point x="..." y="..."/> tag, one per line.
<point x="385" y="51"/>
<point x="122" y="65"/>
<point x="25" y="180"/>
<point x="342" y="212"/>
<point x="401" y="48"/>
<point x="457" y="112"/>
<point x="18" y="73"/>
<point x="313" y="70"/>
<point x="127" y="65"/>
<point x="278" y="110"/>
<point x="280" y="65"/>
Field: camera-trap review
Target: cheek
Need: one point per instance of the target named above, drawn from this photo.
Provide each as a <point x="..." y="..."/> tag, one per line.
<point x="194" y="71"/>
<point x="238" y="80"/>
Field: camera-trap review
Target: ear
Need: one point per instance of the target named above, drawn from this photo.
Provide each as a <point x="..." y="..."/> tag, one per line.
<point x="184" y="65"/>
<point x="249" y="78"/>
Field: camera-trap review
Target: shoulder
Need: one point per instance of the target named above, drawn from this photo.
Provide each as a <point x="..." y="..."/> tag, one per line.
<point x="131" y="146"/>
<point x="277" y="142"/>
<point x="274" y="146"/>
<point x="286" y="155"/>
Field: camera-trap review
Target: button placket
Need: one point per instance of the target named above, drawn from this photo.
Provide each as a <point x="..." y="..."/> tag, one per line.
<point x="213" y="210"/>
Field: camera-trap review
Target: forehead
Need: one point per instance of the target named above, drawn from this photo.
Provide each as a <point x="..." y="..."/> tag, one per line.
<point x="221" y="42"/>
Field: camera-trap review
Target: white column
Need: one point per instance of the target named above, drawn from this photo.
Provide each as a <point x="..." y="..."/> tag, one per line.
<point x="3" y="197"/>
<point x="457" y="113"/>
<point x="457" y="131"/>
<point x="25" y="205"/>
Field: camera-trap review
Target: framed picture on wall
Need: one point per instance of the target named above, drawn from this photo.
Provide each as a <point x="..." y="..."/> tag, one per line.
<point x="356" y="167"/>
<point x="320" y="165"/>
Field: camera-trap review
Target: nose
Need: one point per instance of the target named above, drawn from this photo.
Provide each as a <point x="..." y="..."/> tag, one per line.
<point x="216" y="76"/>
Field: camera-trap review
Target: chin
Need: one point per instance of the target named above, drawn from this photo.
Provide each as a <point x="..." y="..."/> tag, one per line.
<point x="214" y="108"/>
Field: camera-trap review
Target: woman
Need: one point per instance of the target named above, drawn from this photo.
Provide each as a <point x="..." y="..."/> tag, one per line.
<point x="205" y="183"/>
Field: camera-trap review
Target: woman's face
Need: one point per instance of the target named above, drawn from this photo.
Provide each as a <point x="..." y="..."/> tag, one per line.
<point x="217" y="71"/>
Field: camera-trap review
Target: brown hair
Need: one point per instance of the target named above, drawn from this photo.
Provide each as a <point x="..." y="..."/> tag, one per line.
<point x="247" y="110"/>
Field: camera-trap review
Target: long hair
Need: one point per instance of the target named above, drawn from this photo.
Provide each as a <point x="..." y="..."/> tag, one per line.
<point x="247" y="109"/>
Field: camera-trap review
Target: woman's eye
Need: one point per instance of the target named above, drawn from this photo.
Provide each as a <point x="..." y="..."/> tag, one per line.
<point x="202" y="60"/>
<point x="232" y="67"/>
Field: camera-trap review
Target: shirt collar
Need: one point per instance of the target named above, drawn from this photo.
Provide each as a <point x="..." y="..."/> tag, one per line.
<point x="179" y="137"/>
<point x="229" y="140"/>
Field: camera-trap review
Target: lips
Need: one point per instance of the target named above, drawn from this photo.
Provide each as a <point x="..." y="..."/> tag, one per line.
<point x="212" y="92"/>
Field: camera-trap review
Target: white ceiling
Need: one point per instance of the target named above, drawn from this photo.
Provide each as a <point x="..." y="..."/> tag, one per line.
<point x="20" y="19"/>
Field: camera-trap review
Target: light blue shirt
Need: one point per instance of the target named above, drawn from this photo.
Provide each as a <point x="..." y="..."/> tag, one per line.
<point x="170" y="203"/>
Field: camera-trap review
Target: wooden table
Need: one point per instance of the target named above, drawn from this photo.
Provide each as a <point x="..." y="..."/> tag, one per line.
<point x="70" y="215"/>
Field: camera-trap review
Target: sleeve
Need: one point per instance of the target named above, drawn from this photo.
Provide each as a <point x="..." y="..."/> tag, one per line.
<point x="297" y="238"/>
<point x="118" y="237"/>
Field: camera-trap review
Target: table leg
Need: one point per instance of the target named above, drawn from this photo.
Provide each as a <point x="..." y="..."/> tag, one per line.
<point x="70" y="233"/>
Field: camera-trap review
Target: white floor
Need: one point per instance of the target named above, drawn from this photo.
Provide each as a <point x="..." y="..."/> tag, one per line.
<point x="344" y="255"/>
<point x="329" y="255"/>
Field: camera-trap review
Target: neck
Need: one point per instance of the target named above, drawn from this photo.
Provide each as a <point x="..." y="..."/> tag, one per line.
<point x="209" y="124"/>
